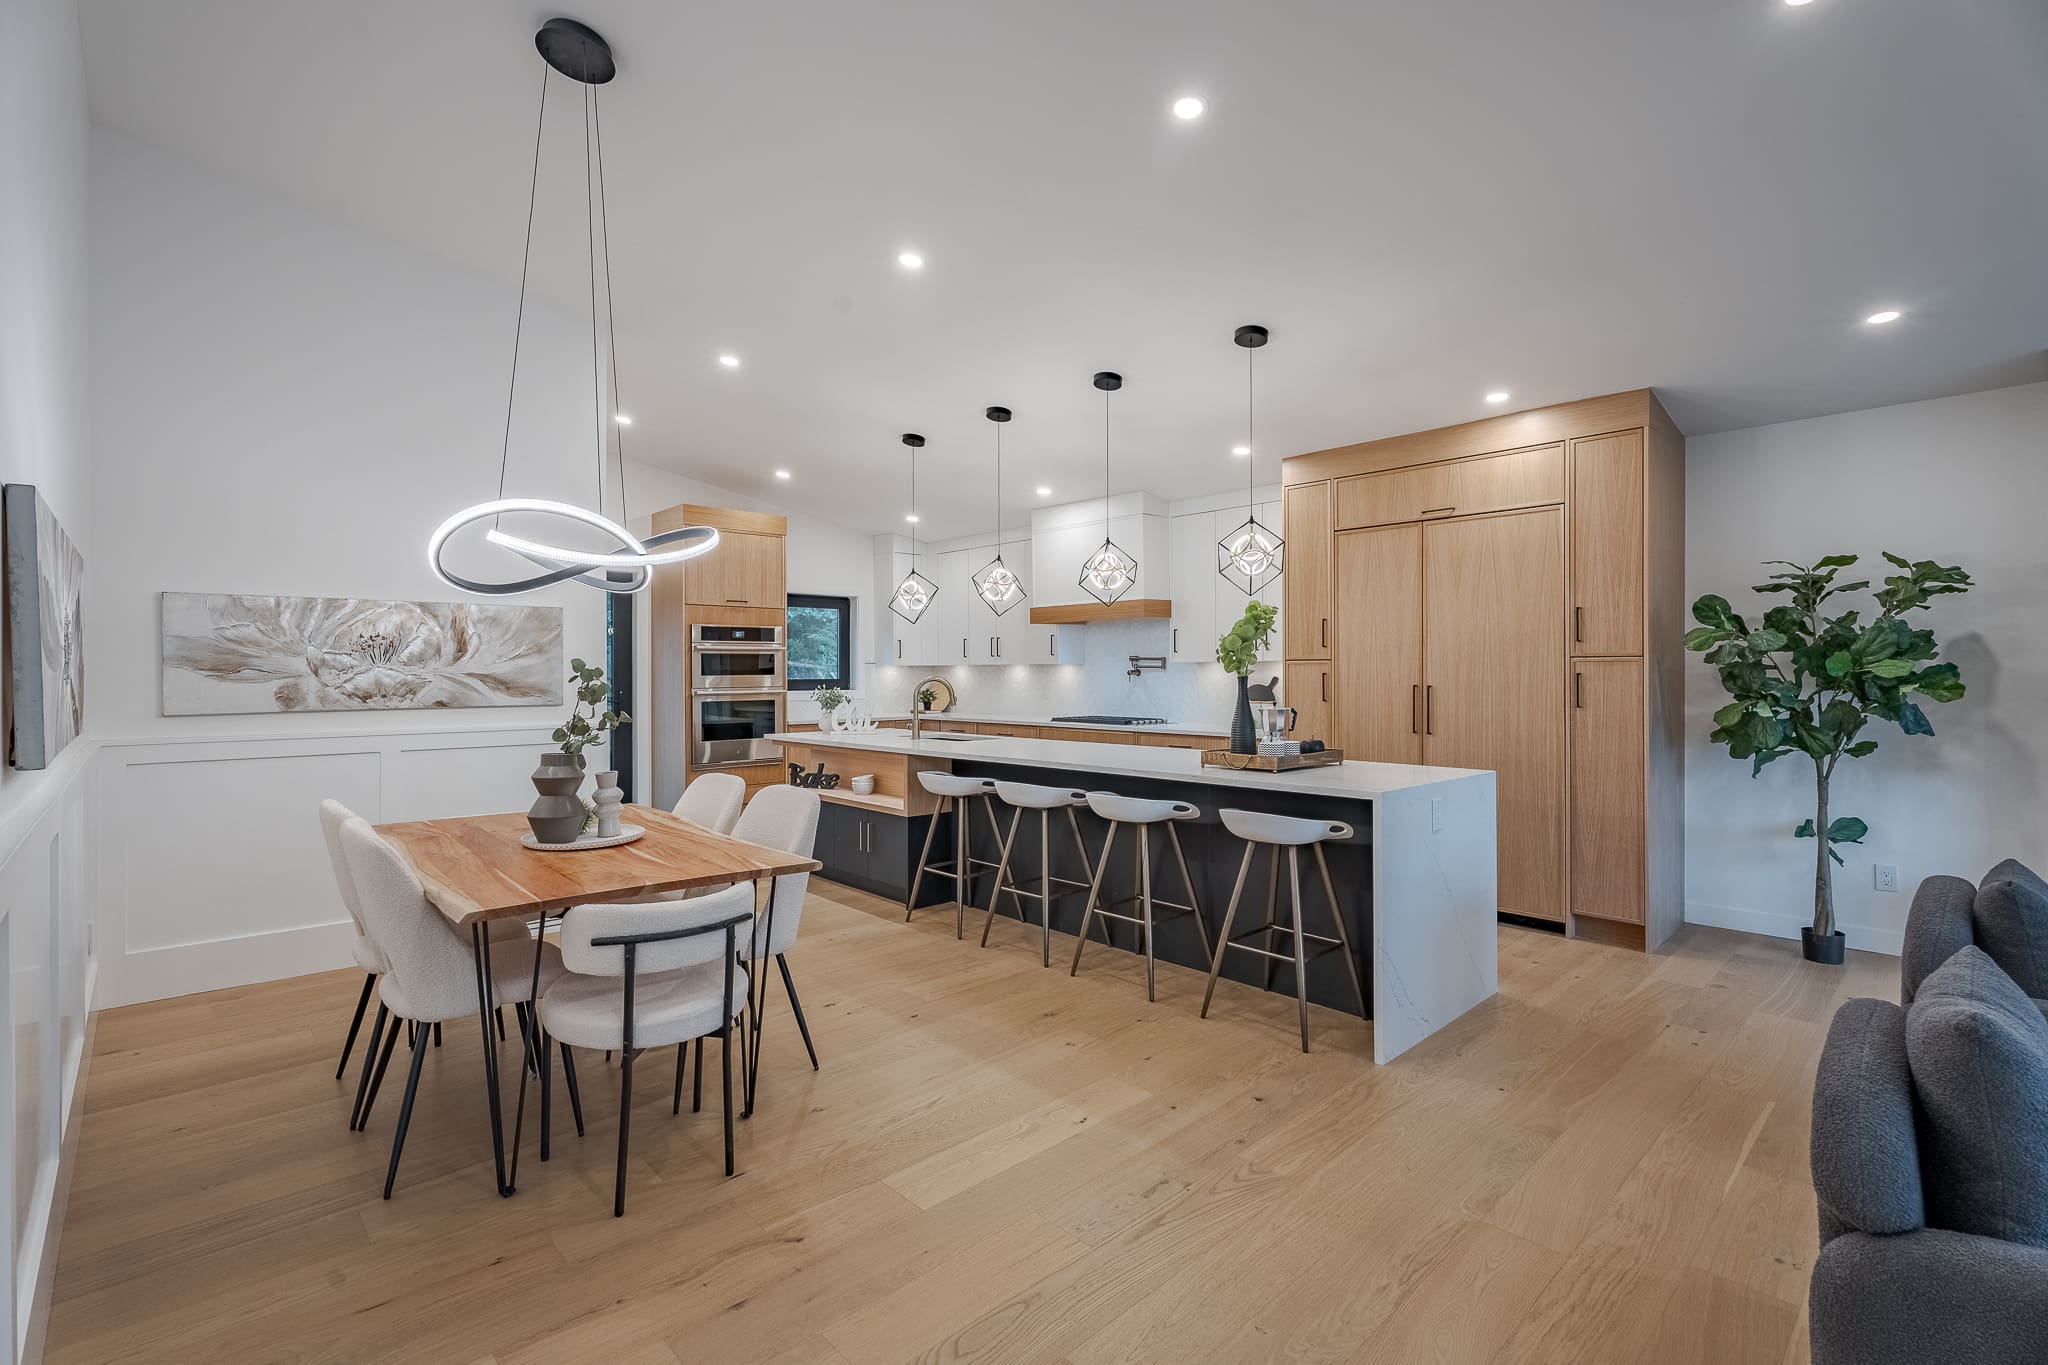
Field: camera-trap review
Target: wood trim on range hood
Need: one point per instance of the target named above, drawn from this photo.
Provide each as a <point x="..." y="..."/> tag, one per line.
<point x="1081" y="613"/>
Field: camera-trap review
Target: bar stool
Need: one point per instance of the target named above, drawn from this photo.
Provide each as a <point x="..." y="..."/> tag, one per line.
<point x="1291" y="833"/>
<point x="1131" y="810"/>
<point x="961" y="796"/>
<point x="1020" y="797"/>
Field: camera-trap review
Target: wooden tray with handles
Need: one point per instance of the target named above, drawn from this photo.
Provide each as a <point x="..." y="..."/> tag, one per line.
<point x="1270" y="763"/>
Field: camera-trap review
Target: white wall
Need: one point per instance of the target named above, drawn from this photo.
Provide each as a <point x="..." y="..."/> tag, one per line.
<point x="47" y="817"/>
<point x="1959" y="480"/>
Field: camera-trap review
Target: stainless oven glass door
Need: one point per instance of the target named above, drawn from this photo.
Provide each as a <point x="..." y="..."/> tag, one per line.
<point x="736" y="668"/>
<point x="726" y="730"/>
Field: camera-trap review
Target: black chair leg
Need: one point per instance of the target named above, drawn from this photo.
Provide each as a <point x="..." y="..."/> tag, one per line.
<point x="682" y="1061"/>
<point x="377" y="1077"/>
<point x="547" y="1087"/>
<point x="725" y="1059"/>
<point x="356" y="1024"/>
<point x="355" y="1114"/>
<point x="499" y="1013"/>
<point x="575" y="1096"/>
<point x="797" y="1006"/>
<point x="625" y="1126"/>
<point x="412" y="1086"/>
<point x="697" y="1089"/>
<point x="437" y="1035"/>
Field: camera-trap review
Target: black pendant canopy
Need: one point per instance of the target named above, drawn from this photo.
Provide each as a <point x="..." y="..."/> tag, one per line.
<point x="576" y="50"/>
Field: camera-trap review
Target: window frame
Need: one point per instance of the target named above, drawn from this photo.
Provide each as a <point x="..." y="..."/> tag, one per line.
<point x="820" y="601"/>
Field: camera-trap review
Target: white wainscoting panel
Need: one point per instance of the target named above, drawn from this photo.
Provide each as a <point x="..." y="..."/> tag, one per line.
<point x="216" y="872"/>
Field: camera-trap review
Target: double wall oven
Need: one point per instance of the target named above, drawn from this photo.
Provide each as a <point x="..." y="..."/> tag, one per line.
<point x="737" y="679"/>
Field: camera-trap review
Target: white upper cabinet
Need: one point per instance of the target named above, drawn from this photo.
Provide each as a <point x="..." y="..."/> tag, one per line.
<point x="960" y="636"/>
<point x="1191" y="552"/>
<point x="893" y="640"/>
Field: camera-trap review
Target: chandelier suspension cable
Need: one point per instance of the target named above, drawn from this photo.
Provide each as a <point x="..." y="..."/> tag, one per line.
<point x="525" y="260"/>
<point x="590" y="244"/>
<point x="604" y="231"/>
<point x="1251" y="445"/>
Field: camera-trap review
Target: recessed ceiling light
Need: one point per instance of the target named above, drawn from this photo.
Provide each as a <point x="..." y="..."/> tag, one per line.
<point x="1497" y="396"/>
<point x="1044" y="492"/>
<point x="1882" y="316"/>
<point x="910" y="516"/>
<point x="1240" y="450"/>
<point x="1797" y="3"/>
<point x="910" y="260"/>
<point x="1188" y="107"/>
<point x="731" y="362"/>
<point x="782" y="474"/>
<point x="622" y="419"/>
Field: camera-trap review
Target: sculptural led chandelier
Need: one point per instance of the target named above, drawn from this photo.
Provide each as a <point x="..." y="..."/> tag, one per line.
<point x="1249" y="557"/>
<point x="997" y="583"/>
<point x="1109" y="571"/>
<point x="579" y="53"/>
<point x="913" y="596"/>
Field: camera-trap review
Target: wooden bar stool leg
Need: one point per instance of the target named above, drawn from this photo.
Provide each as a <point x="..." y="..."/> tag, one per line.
<point x="1094" y="890"/>
<point x="1223" y="935"/>
<point x="1300" y="953"/>
<point x="1343" y="934"/>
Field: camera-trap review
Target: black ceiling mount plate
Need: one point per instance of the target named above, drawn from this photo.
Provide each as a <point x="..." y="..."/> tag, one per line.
<point x="912" y="439"/>
<point x="576" y="50"/>
<point x="998" y="414"/>
<point x="1250" y="335"/>
<point x="1109" y="381"/>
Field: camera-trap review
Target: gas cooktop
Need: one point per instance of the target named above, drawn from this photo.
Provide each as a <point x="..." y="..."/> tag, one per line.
<point x="1109" y="720"/>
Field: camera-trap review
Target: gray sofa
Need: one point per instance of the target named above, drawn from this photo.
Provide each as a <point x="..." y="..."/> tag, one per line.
<point x="1930" y="1142"/>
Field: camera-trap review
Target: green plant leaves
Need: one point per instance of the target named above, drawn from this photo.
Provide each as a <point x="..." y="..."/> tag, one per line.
<point x="1839" y="663"/>
<point x="1847" y="830"/>
<point x="1714" y="611"/>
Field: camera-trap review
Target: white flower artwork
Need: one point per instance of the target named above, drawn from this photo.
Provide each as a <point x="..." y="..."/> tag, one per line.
<point x="232" y="654"/>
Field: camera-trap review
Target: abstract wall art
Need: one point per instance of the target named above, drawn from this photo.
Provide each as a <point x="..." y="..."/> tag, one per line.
<point x="234" y="654"/>
<point x="45" y="636"/>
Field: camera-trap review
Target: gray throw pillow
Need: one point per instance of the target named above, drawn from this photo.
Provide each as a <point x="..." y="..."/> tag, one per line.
<point x="2011" y="919"/>
<point x="1978" y="1048"/>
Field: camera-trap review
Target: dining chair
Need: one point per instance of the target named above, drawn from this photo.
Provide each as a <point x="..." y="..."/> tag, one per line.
<point x="713" y="801"/>
<point x="430" y="976"/>
<point x="784" y="818"/>
<point x="643" y="976"/>
<point x="364" y="949"/>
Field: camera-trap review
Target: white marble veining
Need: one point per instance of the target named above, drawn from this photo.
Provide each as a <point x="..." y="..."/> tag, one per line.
<point x="1348" y="781"/>
<point x="1435" y="906"/>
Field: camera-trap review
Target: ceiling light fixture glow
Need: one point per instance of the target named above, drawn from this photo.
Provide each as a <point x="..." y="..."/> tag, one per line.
<point x="1240" y="450"/>
<point x="1497" y="396"/>
<point x="731" y="362"/>
<point x="1044" y="492"/>
<point x="782" y="474"/>
<point x="1882" y="316"/>
<point x="622" y="419"/>
<point x="1188" y="107"/>
<point x="910" y="260"/>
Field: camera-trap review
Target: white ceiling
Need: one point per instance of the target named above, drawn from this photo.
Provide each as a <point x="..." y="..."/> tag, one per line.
<point x="1422" y="200"/>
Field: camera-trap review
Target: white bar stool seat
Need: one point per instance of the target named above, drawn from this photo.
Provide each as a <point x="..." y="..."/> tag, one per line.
<point x="1020" y="797"/>
<point x="1143" y="813"/>
<point x="961" y="797"/>
<point x="1291" y="833"/>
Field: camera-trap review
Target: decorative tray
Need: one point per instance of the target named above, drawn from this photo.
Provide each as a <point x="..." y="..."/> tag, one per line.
<point x="626" y="835"/>
<point x="1270" y="763"/>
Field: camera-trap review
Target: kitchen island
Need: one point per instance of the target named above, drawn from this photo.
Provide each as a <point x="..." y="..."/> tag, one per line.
<point x="1417" y="877"/>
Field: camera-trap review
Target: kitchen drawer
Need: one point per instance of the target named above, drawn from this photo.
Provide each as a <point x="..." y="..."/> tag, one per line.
<point x="1455" y="488"/>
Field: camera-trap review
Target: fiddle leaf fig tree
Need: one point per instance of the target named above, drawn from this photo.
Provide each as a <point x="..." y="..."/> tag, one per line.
<point x="1807" y="679"/>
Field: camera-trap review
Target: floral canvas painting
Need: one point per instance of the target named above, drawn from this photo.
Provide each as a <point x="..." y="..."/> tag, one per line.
<point x="228" y="654"/>
<point x="45" y="636"/>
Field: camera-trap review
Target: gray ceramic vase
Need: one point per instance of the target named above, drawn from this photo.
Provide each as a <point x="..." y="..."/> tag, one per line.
<point x="556" y="816"/>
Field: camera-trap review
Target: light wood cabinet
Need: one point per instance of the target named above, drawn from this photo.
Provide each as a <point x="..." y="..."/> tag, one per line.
<point x="1607" y="789"/>
<point x="1607" y="544"/>
<point x="1455" y="488"/>
<point x="1305" y="587"/>
<point x="745" y="569"/>
<point x="1378" y="656"/>
<point x="1493" y="688"/>
<point x="1308" y="688"/>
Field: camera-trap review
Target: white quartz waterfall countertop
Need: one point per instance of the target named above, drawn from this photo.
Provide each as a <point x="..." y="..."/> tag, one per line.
<point x="1348" y="781"/>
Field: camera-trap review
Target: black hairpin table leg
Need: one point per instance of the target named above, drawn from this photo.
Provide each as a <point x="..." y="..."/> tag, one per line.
<point x="480" y="949"/>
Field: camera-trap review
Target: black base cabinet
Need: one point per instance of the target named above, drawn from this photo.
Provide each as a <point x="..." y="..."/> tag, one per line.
<point x="877" y="852"/>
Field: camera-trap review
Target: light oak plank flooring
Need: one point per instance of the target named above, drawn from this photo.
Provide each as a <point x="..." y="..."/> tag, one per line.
<point x="997" y="1163"/>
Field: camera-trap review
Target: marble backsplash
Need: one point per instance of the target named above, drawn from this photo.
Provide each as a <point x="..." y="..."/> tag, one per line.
<point x="1184" y="693"/>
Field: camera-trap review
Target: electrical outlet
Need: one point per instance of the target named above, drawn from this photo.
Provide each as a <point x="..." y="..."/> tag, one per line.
<point x="1884" y="876"/>
<point x="1436" y="813"/>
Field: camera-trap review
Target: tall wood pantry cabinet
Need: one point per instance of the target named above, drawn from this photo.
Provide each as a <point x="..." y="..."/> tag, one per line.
<point x="1507" y="594"/>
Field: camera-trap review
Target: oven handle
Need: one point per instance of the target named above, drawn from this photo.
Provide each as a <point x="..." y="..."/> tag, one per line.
<point x="726" y="647"/>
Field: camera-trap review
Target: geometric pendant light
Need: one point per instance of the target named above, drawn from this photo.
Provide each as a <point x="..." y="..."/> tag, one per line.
<point x="996" y="583"/>
<point x="913" y="596"/>
<point x="1250" y="556"/>
<point x="1109" y="571"/>
<point x="578" y="52"/>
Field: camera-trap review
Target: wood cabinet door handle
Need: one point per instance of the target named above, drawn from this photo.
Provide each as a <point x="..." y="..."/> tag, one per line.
<point x="1578" y="692"/>
<point x="1429" y="709"/>
<point x="736" y="601"/>
<point x="1326" y="632"/>
<point x="1432" y="511"/>
<point x="1578" y="625"/>
<point x="1326" y="685"/>
<point x="1414" y="708"/>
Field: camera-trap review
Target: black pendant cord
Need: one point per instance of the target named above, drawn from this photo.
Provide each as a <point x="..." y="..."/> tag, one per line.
<point x="590" y="245"/>
<point x="999" y="493"/>
<point x="525" y="260"/>
<point x="1251" y="460"/>
<point x="610" y="312"/>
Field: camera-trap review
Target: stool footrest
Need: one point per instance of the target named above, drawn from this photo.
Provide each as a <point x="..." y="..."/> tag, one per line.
<point x="1283" y="957"/>
<point x="1277" y="927"/>
<point x="1102" y="908"/>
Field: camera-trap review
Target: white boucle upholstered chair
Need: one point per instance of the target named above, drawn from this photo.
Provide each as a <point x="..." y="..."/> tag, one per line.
<point x="713" y="800"/>
<point x="430" y="971"/>
<point x="649" y="975"/>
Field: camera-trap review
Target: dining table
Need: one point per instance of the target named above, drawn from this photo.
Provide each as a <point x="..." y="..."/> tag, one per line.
<point x="475" y="870"/>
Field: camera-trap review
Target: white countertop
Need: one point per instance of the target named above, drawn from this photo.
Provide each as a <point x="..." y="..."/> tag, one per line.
<point x="1349" y="781"/>
<point x="983" y="718"/>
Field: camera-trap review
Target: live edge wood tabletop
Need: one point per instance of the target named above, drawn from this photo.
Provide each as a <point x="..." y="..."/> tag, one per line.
<point x="474" y="867"/>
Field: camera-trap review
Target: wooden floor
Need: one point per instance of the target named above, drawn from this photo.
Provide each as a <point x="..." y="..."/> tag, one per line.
<point x="1606" y="1163"/>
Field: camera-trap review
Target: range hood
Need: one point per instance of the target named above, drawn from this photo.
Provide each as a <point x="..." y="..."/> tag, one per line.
<point x="1063" y="537"/>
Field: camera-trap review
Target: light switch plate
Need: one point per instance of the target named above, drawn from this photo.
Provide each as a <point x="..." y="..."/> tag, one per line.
<point x="1884" y="876"/>
<point x="1436" y="814"/>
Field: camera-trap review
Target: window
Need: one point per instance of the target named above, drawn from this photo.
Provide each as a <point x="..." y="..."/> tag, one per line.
<point x="820" y="642"/>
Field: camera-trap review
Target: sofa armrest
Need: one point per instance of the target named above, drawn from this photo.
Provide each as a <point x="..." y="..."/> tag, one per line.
<point x="1927" y="1296"/>
<point x="1866" y="1151"/>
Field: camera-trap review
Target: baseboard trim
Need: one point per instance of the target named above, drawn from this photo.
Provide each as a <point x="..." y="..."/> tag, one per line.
<point x="1888" y="941"/>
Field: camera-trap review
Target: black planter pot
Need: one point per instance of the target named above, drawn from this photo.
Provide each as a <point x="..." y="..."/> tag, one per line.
<point x="1243" y="740"/>
<point x="1826" y="949"/>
